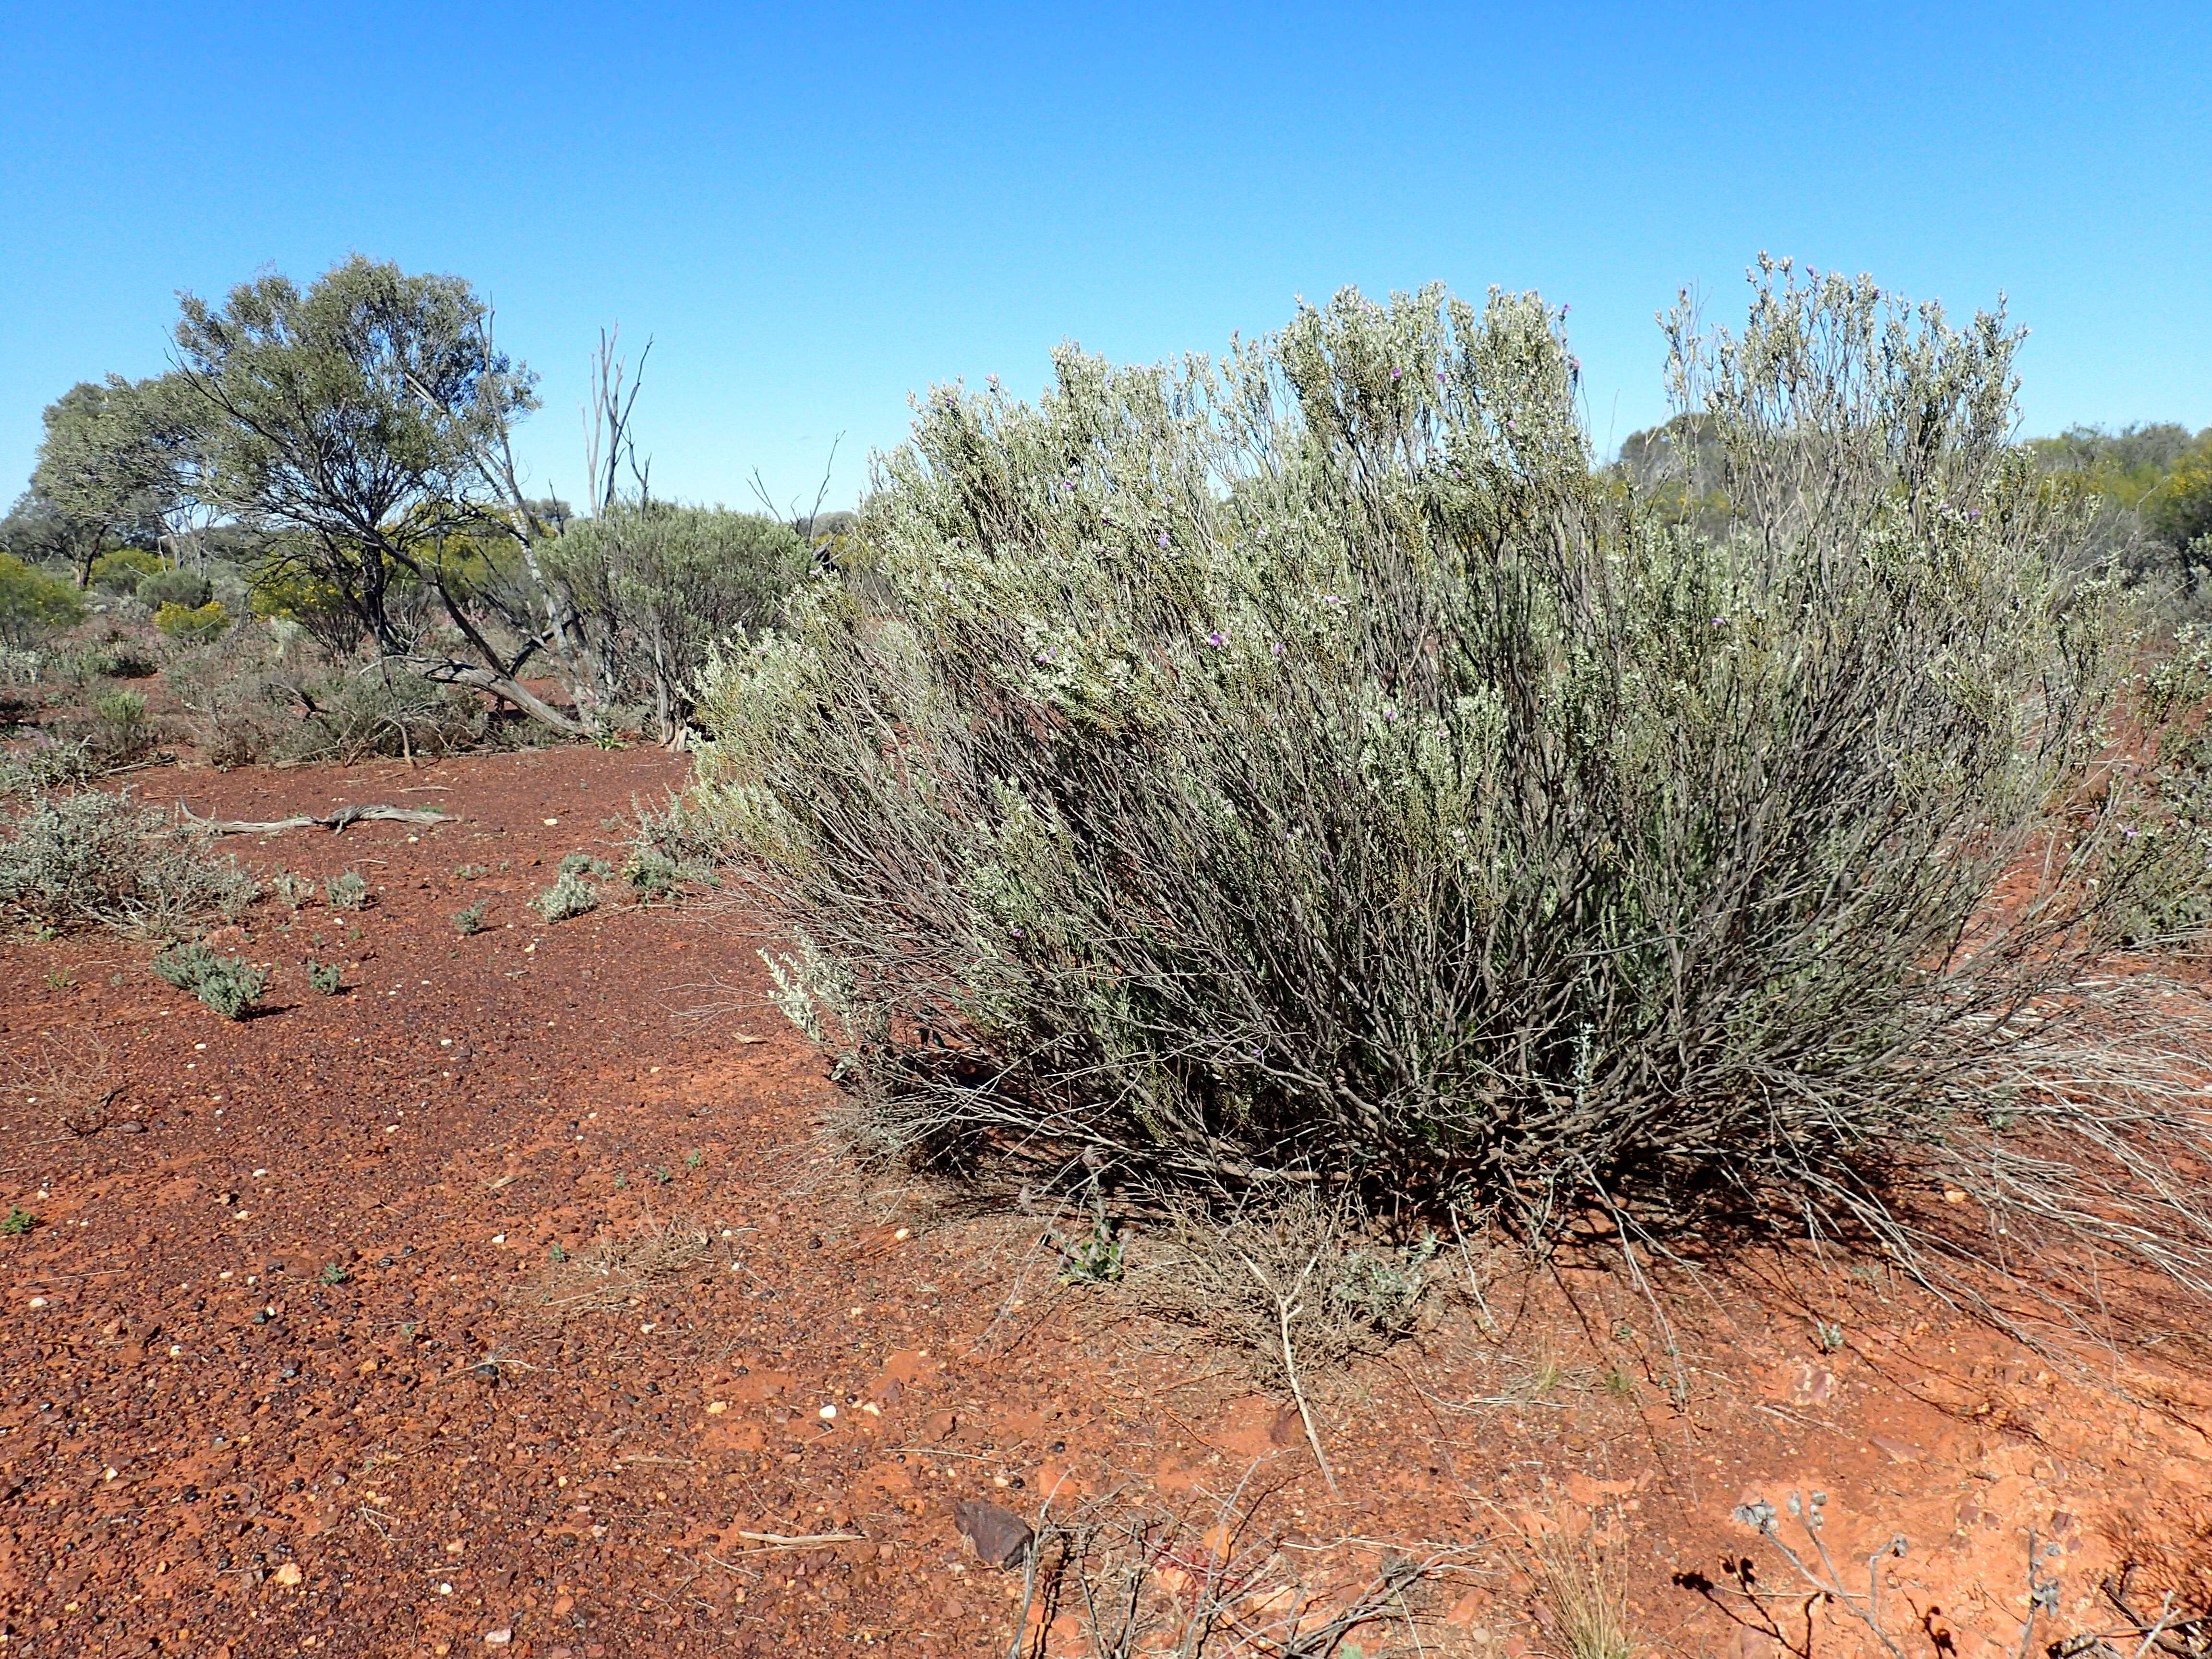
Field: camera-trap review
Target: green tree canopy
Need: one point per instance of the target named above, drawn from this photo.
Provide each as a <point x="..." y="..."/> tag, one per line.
<point x="365" y="420"/>
<point x="115" y="460"/>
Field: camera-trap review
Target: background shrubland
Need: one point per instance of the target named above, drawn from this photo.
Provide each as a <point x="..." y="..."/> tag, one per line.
<point x="1310" y="769"/>
<point x="327" y="477"/>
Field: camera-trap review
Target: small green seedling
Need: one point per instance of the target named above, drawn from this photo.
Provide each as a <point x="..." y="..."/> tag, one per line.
<point x="694" y="1157"/>
<point x="662" y="1175"/>
<point x="57" y="980"/>
<point x="558" y="1254"/>
<point x="19" y="1221"/>
<point x="469" y="920"/>
<point x="335" y="1275"/>
<point x="326" y="976"/>
<point x="1827" y="1337"/>
<point x="1094" y="1258"/>
<point x="346" y="892"/>
<point x="620" y="1180"/>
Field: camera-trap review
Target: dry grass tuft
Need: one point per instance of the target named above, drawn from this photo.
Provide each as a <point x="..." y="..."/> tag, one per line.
<point x="1589" y="1614"/>
<point x="72" y="1083"/>
<point x="615" y="1272"/>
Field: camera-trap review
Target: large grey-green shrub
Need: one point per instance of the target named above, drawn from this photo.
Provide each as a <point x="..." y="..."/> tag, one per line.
<point x="657" y="583"/>
<point x="1305" y="767"/>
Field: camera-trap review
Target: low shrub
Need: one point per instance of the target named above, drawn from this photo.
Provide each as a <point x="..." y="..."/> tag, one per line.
<point x="1309" y="767"/>
<point x="48" y="765"/>
<point x="570" y="896"/>
<point x="118" y="659"/>
<point x="675" y="847"/>
<point x="173" y="587"/>
<point x="360" y="716"/>
<point x="346" y="892"/>
<point x="34" y="604"/>
<point x="121" y="571"/>
<point x="327" y="978"/>
<point x="471" y="921"/>
<point x="191" y="623"/>
<point x="92" y="858"/>
<point x="229" y="985"/>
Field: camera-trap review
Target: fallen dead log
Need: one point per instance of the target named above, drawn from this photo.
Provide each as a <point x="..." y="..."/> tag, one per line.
<point x="333" y="822"/>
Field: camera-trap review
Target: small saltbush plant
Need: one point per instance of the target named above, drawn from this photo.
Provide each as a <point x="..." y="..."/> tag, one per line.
<point x="92" y="858"/>
<point x="569" y="895"/>
<point x="51" y="765"/>
<point x="471" y="921"/>
<point x="347" y="891"/>
<point x="229" y="985"/>
<point x="1312" y="765"/>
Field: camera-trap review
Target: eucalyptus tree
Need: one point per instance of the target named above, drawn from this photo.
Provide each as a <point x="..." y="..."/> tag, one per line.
<point x="367" y="420"/>
<point x="110" y="470"/>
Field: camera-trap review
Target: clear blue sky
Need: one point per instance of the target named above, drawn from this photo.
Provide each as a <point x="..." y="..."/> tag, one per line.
<point x="818" y="210"/>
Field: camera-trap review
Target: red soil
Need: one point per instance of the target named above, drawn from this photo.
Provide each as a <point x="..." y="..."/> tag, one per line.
<point x="280" y="1380"/>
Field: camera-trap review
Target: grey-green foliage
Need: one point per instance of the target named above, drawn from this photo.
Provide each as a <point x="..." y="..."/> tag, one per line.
<point x="347" y="891"/>
<point x="469" y="920"/>
<point x="229" y="985"/>
<point x="115" y="456"/>
<point x="569" y="895"/>
<point x="657" y="584"/>
<point x="1305" y="762"/>
<point x="92" y="858"/>
<point x="175" y="587"/>
<point x="49" y="766"/>
<point x="326" y="977"/>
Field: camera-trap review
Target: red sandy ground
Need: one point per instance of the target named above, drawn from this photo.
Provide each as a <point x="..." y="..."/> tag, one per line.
<point x="245" y="1409"/>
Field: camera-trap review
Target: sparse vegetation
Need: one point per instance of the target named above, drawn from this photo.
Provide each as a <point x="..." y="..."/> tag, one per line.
<point x="470" y="921"/>
<point x="326" y="978"/>
<point x="569" y="895"/>
<point x="19" y="1221"/>
<point x="229" y="985"/>
<point x="348" y="891"/>
<point x="93" y="859"/>
<point x="606" y="1277"/>
<point x="1581" y="1592"/>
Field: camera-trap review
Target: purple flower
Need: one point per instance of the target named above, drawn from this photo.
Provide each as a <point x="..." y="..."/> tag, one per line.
<point x="1330" y="598"/>
<point x="1164" y="538"/>
<point x="1217" y="639"/>
<point x="1278" y="650"/>
<point x="1016" y="932"/>
<point x="1396" y="372"/>
<point x="1389" y="713"/>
